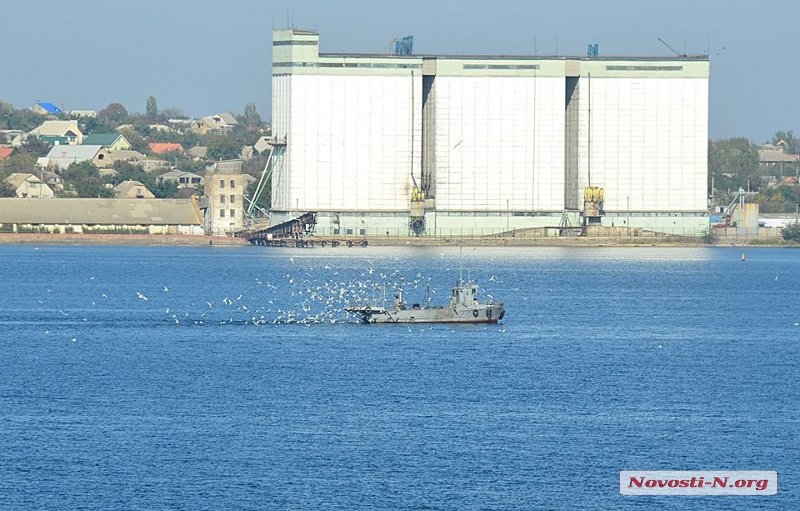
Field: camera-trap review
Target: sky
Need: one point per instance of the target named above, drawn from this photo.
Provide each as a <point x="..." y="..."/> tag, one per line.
<point x="204" y="57"/>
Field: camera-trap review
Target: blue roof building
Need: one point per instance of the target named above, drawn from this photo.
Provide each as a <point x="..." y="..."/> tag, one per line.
<point x="47" y="108"/>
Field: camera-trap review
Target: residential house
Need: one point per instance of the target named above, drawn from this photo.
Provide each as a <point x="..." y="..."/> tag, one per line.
<point x="151" y="164"/>
<point x="198" y="152"/>
<point x="133" y="190"/>
<point x="162" y="128"/>
<point x="225" y="166"/>
<point x="263" y="145"/>
<point x="45" y="108"/>
<point x="13" y="137"/>
<point x="57" y="131"/>
<point x="180" y="124"/>
<point x="111" y="141"/>
<point x="130" y="156"/>
<point x="217" y="122"/>
<point x="157" y="216"/>
<point x="91" y="114"/>
<point x="181" y="178"/>
<point x="224" y="201"/>
<point x="52" y="179"/>
<point x="29" y="186"/>
<point x="247" y="153"/>
<point x="775" y="154"/>
<point x="5" y="151"/>
<point x="165" y="147"/>
<point x="62" y="156"/>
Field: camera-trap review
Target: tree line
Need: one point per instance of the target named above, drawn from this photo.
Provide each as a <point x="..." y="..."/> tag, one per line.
<point x="733" y="163"/>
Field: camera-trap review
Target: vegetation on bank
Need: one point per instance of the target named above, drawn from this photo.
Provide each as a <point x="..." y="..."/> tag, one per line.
<point x="734" y="163"/>
<point x="791" y="232"/>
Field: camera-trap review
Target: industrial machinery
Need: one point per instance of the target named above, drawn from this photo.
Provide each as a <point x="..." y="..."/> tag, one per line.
<point x="593" y="197"/>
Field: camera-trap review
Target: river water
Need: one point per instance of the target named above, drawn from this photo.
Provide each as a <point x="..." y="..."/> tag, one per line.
<point x="229" y="377"/>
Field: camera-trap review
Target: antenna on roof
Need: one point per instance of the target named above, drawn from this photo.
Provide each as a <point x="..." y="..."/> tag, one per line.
<point x="676" y="52"/>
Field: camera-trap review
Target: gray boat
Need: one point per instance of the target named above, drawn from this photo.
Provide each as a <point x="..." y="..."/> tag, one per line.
<point x="464" y="307"/>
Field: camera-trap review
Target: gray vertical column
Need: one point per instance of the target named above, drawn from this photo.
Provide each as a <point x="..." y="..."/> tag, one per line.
<point x="571" y="136"/>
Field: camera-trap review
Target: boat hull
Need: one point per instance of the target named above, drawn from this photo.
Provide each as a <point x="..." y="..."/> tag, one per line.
<point x="480" y="314"/>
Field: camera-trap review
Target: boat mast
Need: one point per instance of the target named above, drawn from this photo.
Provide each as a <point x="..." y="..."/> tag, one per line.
<point x="428" y="292"/>
<point x="460" y="269"/>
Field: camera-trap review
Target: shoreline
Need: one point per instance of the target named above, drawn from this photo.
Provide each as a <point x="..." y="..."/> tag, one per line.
<point x="565" y="241"/>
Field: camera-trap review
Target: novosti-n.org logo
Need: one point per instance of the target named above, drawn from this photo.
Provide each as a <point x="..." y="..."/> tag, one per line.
<point x="700" y="482"/>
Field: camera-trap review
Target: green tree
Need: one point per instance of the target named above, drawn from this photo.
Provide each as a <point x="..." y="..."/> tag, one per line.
<point x="164" y="189"/>
<point x="11" y="118"/>
<point x="151" y="108"/>
<point x="223" y="148"/>
<point x="83" y="179"/>
<point x="7" y="190"/>
<point x="127" y="171"/>
<point x="113" y="115"/>
<point x="779" y="199"/>
<point x="251" y="119"/>
<point x="173" y="113"/>
<point x="35" y="146"/>
<point x="18" y="162"/>
<point x="733" y="163"/>
<point x="791" y="231"/>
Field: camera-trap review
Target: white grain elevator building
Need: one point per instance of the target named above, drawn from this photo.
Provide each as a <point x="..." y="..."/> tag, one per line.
<point x="476" y="145"/>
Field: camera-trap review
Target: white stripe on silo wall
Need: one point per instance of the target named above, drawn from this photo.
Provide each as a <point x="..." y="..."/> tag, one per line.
<point x="499" y="143"/>
<point x="350" y="142"/>
<point x="648" y="142"/>
<point x="281" y="94"/>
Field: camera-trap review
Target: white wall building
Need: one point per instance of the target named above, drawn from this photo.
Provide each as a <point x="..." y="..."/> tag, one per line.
<point x="494" y="143"/>
<point x="352" y="126"/>
<point x="643" y="135"/>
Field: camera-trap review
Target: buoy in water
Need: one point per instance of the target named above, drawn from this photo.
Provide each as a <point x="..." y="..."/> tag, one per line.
<point x="744" y="258"/>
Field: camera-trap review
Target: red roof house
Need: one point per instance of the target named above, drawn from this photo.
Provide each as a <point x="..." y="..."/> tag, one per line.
<point x="5" y="151"/>
<point x="164" y="147"/>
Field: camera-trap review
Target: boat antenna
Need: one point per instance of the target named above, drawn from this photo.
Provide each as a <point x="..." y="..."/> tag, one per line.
<point x="428" y="291"/>
<point x="460" y="269"/>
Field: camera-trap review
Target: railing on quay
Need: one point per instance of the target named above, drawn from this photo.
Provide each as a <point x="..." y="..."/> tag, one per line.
<point x="550" y="233"/>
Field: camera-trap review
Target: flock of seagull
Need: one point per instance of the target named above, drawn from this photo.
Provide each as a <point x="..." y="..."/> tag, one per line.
<point x="296" y="294"/>
<point x="301" y="296"/>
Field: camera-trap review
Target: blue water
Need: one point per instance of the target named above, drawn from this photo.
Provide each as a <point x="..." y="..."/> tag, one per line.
<point x="228" y="378"/>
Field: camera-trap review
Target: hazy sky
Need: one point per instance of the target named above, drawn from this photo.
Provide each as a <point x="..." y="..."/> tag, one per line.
<point x="205" y="56"/>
